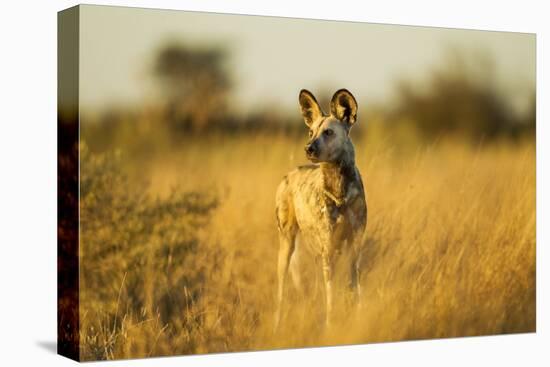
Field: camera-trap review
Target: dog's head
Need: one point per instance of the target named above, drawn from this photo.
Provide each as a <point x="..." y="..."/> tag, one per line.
<point x="328" y="134"/>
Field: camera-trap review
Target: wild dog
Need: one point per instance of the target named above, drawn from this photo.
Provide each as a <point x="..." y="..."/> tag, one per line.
<point x="325" y="201"/>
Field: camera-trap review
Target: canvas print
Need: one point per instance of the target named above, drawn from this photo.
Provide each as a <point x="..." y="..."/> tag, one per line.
<point x="235" y="183"/>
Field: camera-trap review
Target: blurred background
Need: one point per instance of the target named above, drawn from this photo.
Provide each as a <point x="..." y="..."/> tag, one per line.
<point x="196" y="70"/>
<point x="190" y="120"/>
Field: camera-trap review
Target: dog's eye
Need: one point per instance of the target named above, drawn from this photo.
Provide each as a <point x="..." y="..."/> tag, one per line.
<point x="328" y="132"/>
<point x="310" y="133"/>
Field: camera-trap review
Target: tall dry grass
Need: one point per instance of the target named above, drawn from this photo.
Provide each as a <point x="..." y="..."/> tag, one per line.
<point x="179" y="254"/>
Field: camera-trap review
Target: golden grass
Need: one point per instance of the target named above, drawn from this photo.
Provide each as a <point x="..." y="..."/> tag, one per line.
<point x="450" y="251"/>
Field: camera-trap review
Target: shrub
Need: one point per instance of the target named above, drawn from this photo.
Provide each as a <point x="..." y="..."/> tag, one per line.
<point x="143" y="260"/>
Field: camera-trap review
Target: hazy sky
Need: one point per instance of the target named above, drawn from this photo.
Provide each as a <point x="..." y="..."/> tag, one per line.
<point x="273" y="58"/>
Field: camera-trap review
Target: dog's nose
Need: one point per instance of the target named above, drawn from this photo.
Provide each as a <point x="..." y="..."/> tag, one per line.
<point x="309" y="149"/>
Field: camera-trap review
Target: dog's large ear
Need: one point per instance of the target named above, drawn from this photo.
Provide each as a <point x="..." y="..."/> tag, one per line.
<point x="343" y="106"/>
<point x="310" y="107"/>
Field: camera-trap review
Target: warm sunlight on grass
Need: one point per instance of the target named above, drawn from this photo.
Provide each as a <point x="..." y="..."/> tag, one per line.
<point x="180" y="256"/>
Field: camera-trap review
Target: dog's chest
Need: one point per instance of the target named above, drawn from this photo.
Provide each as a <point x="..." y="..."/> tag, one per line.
<point x="321" y="220"/>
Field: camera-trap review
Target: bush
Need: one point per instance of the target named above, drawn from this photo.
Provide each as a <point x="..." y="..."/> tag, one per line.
<point x="143" y="260"/>
<point x="463" y="99"/>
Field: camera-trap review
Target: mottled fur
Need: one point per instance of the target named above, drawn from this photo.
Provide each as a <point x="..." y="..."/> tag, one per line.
<point x="325" y="201"/>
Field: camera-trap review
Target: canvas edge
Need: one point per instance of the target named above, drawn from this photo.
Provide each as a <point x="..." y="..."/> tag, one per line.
<point x="68" y="320"/>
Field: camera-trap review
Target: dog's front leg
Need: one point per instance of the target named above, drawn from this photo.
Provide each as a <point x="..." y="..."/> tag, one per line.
<point x="328" y="271"/>
<point x="355" y="239"/>
<point x="355" y="274"/>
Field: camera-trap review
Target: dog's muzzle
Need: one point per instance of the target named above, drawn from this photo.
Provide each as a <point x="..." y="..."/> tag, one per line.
<point x="312" y="149"/>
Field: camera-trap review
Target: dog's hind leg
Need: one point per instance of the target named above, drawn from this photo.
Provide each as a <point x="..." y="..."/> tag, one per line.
<point x="288" y="228"/>
<point x="286" y="243"/>
<point x="295" y="267"/>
